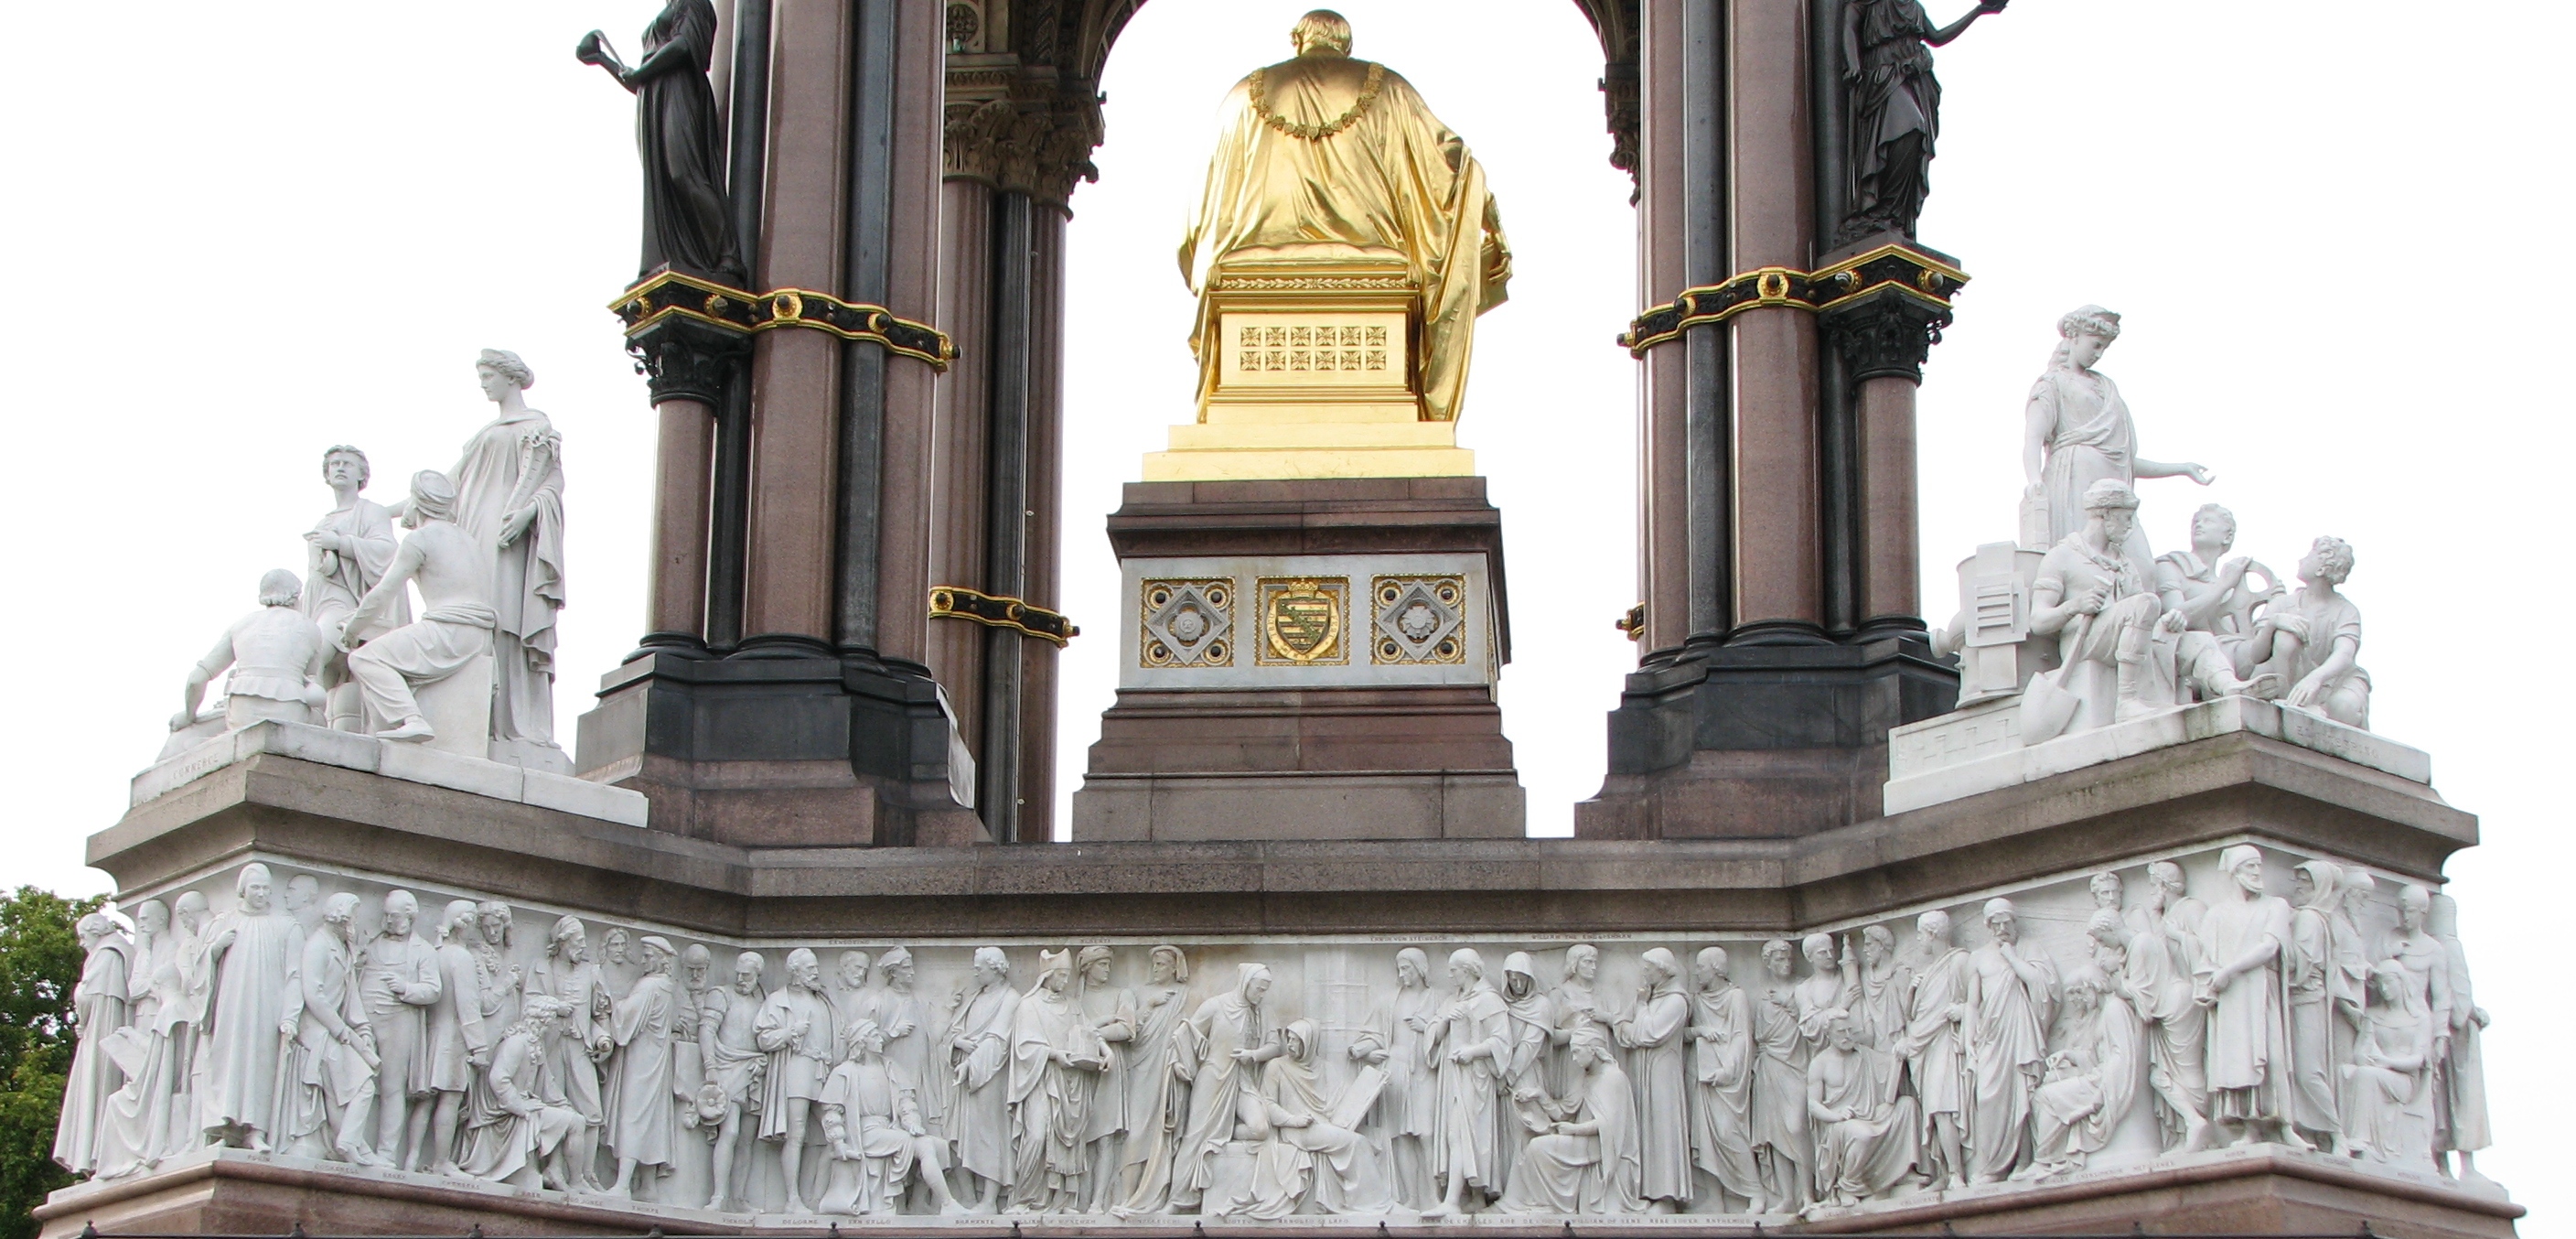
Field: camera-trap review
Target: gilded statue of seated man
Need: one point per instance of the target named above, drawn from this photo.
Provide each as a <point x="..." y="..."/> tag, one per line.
<point x="1326" y="157"/>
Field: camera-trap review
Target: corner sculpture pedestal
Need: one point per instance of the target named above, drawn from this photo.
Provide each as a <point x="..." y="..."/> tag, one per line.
<point x="1326" y="917"/>
<point x="1308" y="659"/>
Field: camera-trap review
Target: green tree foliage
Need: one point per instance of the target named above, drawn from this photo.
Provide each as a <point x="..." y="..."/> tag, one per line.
<point x="40" y="963"/>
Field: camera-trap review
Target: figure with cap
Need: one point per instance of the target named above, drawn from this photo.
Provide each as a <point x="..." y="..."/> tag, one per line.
<point x="2011" y="1001"/>
<point x="1525" y="1079"/>
<point x="2117" y="644"/>
<point x="454" y="574"/>
<point x="642" y="1128"/>
<point x="1057" y="1058"/>
<point x="872" y="1123"/>
<point x="277" y="657"/>
<point x="99" y="1006"/>
<point x="1655" y="1035"/>
<point x="2238" y="977"/>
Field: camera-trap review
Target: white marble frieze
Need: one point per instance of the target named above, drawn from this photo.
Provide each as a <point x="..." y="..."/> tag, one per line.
<point x="2175" y="1009"/>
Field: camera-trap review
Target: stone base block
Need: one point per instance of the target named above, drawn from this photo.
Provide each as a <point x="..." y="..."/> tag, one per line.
<point x="1198" y="808"/>
<point x="417" y="763"/>
<point x="784" y="750"/>
<point x="1979" y="749"/>
<point x="1761" y="741"/>
<point x="2262" y="1190"/>
<point x="459" y="709"/>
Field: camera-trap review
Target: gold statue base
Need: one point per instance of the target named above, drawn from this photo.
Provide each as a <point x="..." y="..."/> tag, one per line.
<point x="1308" y="369"/>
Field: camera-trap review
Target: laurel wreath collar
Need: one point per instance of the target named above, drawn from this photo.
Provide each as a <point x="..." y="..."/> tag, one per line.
<point x="1314" y="133"/>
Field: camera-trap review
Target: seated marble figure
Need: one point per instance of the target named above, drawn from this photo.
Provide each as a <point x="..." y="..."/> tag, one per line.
<point x="873" y="1125"/>
<point x="454" y="573"/>
<point x="276" y="656"/>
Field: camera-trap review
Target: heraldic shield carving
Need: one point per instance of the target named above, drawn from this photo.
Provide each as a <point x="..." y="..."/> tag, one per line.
<point x="1302" y="621"/>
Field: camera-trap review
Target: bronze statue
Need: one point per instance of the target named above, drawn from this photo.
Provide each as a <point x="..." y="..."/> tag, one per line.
<point x="686" y="224"/>
<point x="1894" y="109"/>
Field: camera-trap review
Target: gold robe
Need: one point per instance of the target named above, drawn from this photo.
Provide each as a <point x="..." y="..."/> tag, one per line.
<point x="1392" y="179"/>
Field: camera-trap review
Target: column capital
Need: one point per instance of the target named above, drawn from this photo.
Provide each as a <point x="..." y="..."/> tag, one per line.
<point x="1884" y="334"/>
<point x="1012" y="126"/>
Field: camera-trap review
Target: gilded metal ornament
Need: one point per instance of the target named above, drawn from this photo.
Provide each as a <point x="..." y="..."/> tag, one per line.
<point x="1302" y="621"/>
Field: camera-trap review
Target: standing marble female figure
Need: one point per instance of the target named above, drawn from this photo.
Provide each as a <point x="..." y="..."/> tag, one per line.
<point x="509" y="493"/>
<point x="2076" y="430"/>
<point x="686" y="224"/>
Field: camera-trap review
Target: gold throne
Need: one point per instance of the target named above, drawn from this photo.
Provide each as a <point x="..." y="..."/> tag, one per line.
<point x="1310" y="367"/>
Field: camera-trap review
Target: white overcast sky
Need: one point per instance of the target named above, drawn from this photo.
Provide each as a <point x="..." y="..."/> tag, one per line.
<point x="244" y="234"/>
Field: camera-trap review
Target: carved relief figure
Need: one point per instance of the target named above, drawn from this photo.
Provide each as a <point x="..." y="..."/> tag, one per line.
<point x="795" y="1029"/>
<point x="678" y="136"/>
<point x="2460" y="1079"/>
<point x="98" y="1006"/>
<point x="495" y="977"/>
<point x="458" y="1044"/>
<point x="2314" y="972"/>
<point x="347" y="552"/>
<point x="1524" y="1072"/>
<point x="1878" y="1001"/>
<point x="2239" y="978"/>
<point x="1894" y="109"/>
<point x="873" y="1124"/>
<point x="1112" y="1016"/>
<point x="1867" y="1132"/>
<point x="1472" y="1042"/>
<point x="1057" y="1058"/>
<point x="276" y="656"/>
<point x="1307" y="1157"/>
<point x="1157" y="1095"/>
<point x="642" y="1127"/>
<point x="1228" y="1039"/>
<point x="454" y="572"/>
<point x="397" y="979"/>
<point x="1721" y="1084"/>
<point x="2012" y="995"/>
<point x="330" y="1067"/>
<point x="136" y="1118"/>
<point x="979" y="1052"/>
<point x="898" y="1013"/>
<point x="850" y="997"/>
<point x="734" y="1065"/>
<point x="515" y="1133"/>
<point x="1780" y="1139"/>
<point x="2392" y="1102"/>
<point x="1576" y="1005"/>
<point x="1326" y="152"/>
<point x="2076" y="431"/>
<point x="252" y="952"/>
<point x="1656" y="1036"/>
<point x="1408" y="1108"/>
<point x="2092" y="1075"/>
<point x="575" y="1041"/>
<point x="2164" y="951"/>
<point x="1933" y="1051"/>
<point x="1591" y="1161"/>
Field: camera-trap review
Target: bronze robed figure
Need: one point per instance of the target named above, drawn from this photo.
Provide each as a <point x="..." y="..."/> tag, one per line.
<point x="1894" y="106"/>
<point x="686" y="224"/>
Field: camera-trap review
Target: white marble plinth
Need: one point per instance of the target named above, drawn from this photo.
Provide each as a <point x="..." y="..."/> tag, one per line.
<point x="393" y="759"/>
<point x="1979" y="749"/>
